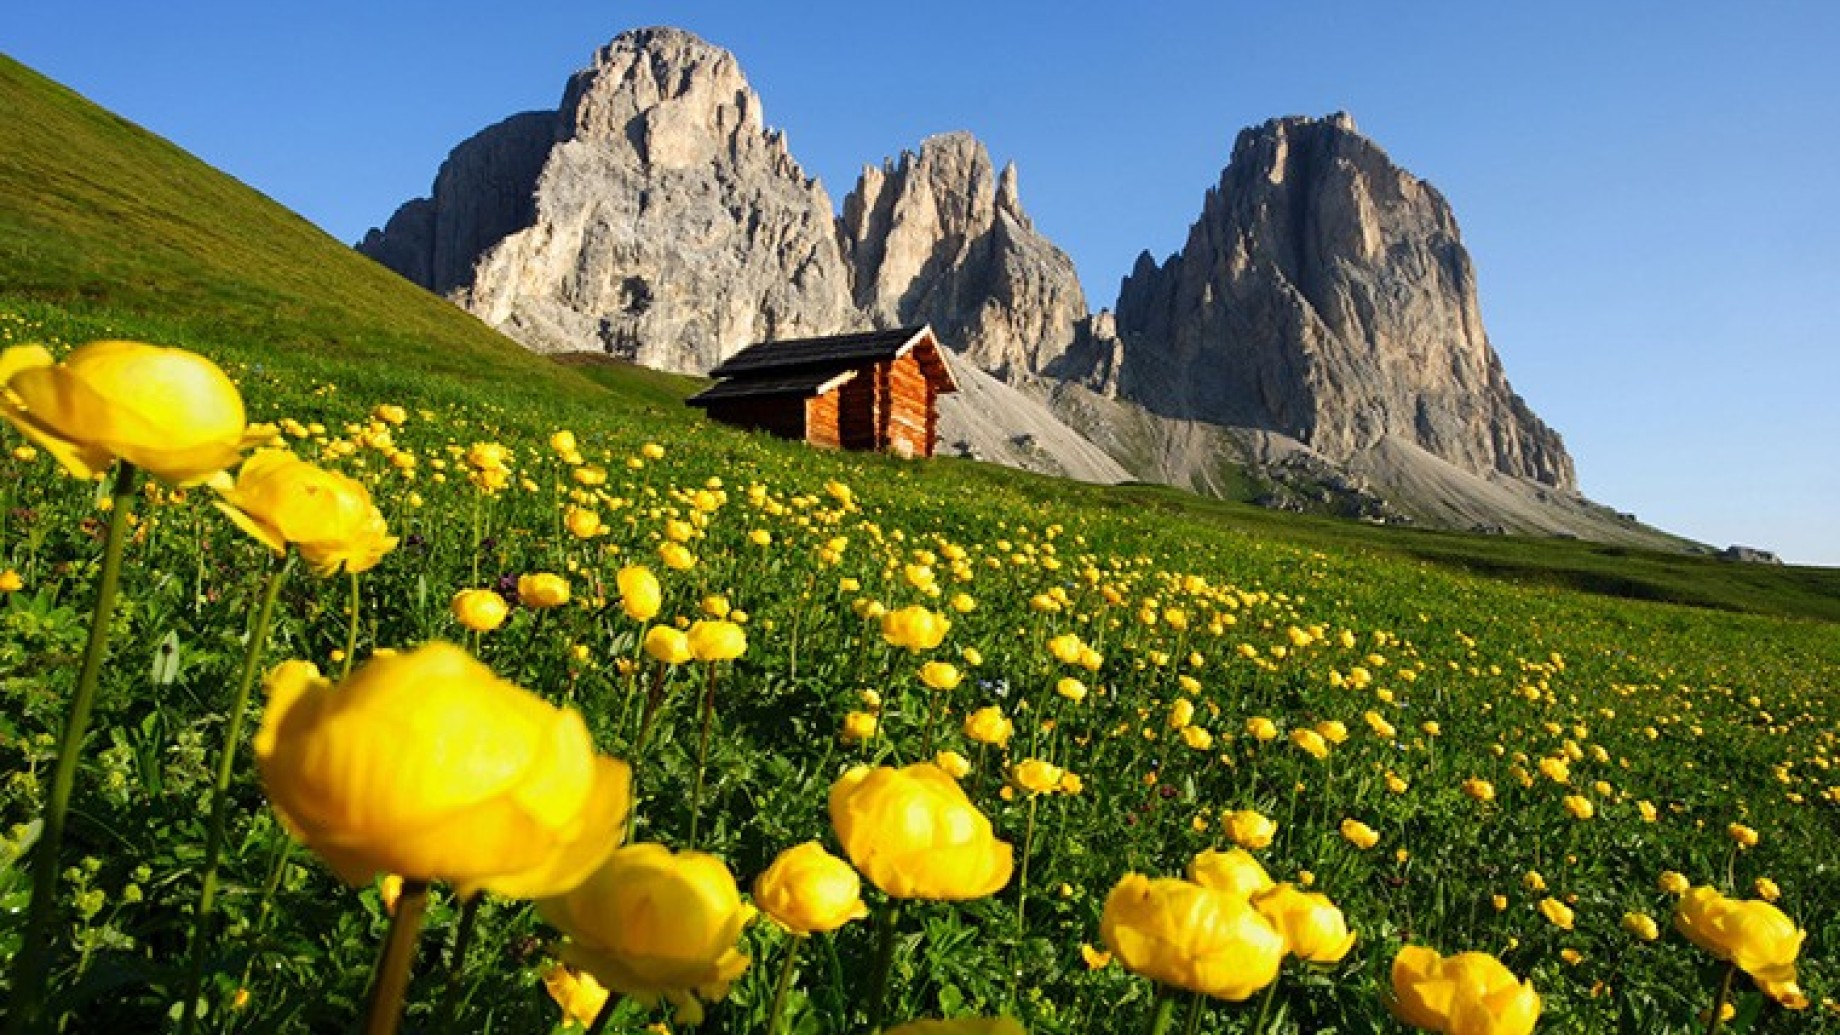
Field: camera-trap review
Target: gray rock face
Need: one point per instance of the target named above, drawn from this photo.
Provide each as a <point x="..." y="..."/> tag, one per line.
<point x="1325" y="294"/>
<point x="666" y="225"/>
<point x="939" y="237"/>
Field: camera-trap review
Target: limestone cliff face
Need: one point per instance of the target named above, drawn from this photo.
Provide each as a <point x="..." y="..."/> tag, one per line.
<point x="666" y="225"/>
<point x="939" y="237"/>
<point x="1325" y="294"/>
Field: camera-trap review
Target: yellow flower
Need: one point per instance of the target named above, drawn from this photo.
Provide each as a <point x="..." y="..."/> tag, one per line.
<point x="1755" y="935"/>
<point x="914" y="834"/>
<point x="1359" y="834"/>
<point x="1036" y="776"/>
<point x="1311" y="743"/>
<point x="1742" y="836"/>
<point x="654" y="924"/>
<point x="1314" y="929"/>
<point x="577" y="993"/>
<point x="668" y="645"/>
<point x="807" y="889"/>
<point x="170" y="412"/>
<point x="1470" y="993"/>
<point x="960" y="1026"/>
<point x="1234" y="872"/>
<point x="915" y="628"/>
<point x="564" y="443"/>
<point x="1095" y="959"/>
<point x="1641" y="925"/>
<point x="542" y="590"/>
<point x="1673" y="883"/>
<point x="675" y="557"/>
<point x="1181" y="713"/>
<point x="427" y="765"/>
<point x="279" y="499"/>
<point x="1557" y="913"/>
<point x="1579" y="806"/>
<point x="1197" y="737"/>
<point x="1556" y="769"/>
<point x="1189" y="936"/>
<point x="10" y="582"/>
<point x="1070" y="688"/>
<point x="481" y="610"/>
<point x="955" y="765"/>
<point x="583" y="523"/>
<point x="1261" y="729"/>
<point x="859" y="726"/>
<point x="1071" y="783"/>
<point x="988" y="726"/>
<point x="1766" y="889"/>
<point x="940" y="675"/>
<point x="717" y="641"/>
<point x="1250" y="829"/>
<point x="1334" y="731"/>
<point x="652" y="451"/>
<point x="640" y="595"/>
<point x="1480" y="790"/>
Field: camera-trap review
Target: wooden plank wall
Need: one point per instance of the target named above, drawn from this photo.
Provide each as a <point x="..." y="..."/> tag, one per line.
<point x="910" y="408"/>
<point x="823" y="419"/>
<point x="857" y="417"/>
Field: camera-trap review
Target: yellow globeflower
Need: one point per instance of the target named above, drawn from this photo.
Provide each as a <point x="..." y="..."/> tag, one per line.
<point x="653" y="924"/>
<point x="807" y="889"/>
<point x="1479" y="789"/>
<point x="481" y="610"/>
<point x="859" y="726"/>
<point x="956" y="766"/>
<point x="1470" y="993"/>
<point x="1557" y="913"/>
<point x="1672" y="882"/>
<point x="1313" y="927"/>
<point x="1234" y="871"/>
<point x="1181" y="713"/>
<point x="280" y="499"/>
<point x="1189" y="936"/>
<point x="717" y="641"/>
<point x="640" y="594"/>
<point x="1579" y="806"/>
<point x="1311" y="742"/>
<point x="915" y="628"/>
<point x="676" y="557"/>
<point x="577" y="993"/>
<point x="1250" y="829"/>
<point x="1755" y="935"/>
<point x="1070" y="688"/>
<point x="1261" y="729"/>
<point x="668" y="645"/>
<point x="960" y="1026"/>
<point x="1359" y="834"/>
<point x="1036" y="776"/>
<point x="583" y="523"/>
<point x="542" y="590"/>
<point x="428" y="765"/>
<point x="940" y="675"/>
<point x="1066" y="648"/>
<point x="1742" y="836"/>
<point x="914" y="834"/>
<point x="989" y="726"/>
<point x="1641" y="925"/>
<point x="10" y="582"/>
<point x="169" y="412"/>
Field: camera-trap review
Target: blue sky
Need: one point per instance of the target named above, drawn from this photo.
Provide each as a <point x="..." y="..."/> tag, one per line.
<point x="1647" y="189"/>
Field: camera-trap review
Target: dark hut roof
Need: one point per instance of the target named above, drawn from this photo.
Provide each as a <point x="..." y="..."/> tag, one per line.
<point x="802" y="384"/>
<point x="836" y="351"/>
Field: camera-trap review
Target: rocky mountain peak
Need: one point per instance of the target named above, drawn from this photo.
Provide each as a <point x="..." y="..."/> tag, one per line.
<point x="940" y="237"/>
<point x="1325" y="294"/>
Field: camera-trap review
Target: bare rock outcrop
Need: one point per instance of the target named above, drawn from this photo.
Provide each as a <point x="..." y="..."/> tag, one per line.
<point x="667" y="224"/>
<point x="1325" y="294"/>
<point x="940" y="237"/>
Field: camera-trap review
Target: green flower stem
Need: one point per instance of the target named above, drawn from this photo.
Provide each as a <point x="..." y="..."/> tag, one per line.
<point x="784" y="985"/>
<point x="605" y="1016"/>
<point x="1197" y="1006"/>
<point x="1717" y="1018"/>
<point x="456" y="965"/>
<point x="933" y="704"/>
<point x="284" y="849"/>
<point x="385" y="1007"/>
<point x="702" y="753"/>
<point x="220" y="795"/>
<point x="1271" y="996"/>
<point x="1165" y="1012"/>
<point x="32" y="964"/>
<point x="1022" y="883"/>
<point x="351" y="630"/>
<point x="884" y="965"/>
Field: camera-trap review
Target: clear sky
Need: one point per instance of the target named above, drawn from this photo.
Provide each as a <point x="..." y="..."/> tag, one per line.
<point x="1648" y="189"/>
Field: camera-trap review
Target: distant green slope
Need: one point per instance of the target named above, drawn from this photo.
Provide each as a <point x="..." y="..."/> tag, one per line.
<point x="106" y="229"/>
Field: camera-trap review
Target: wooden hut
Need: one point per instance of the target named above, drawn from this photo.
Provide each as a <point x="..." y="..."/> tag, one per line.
<point x="877" y="390"/>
